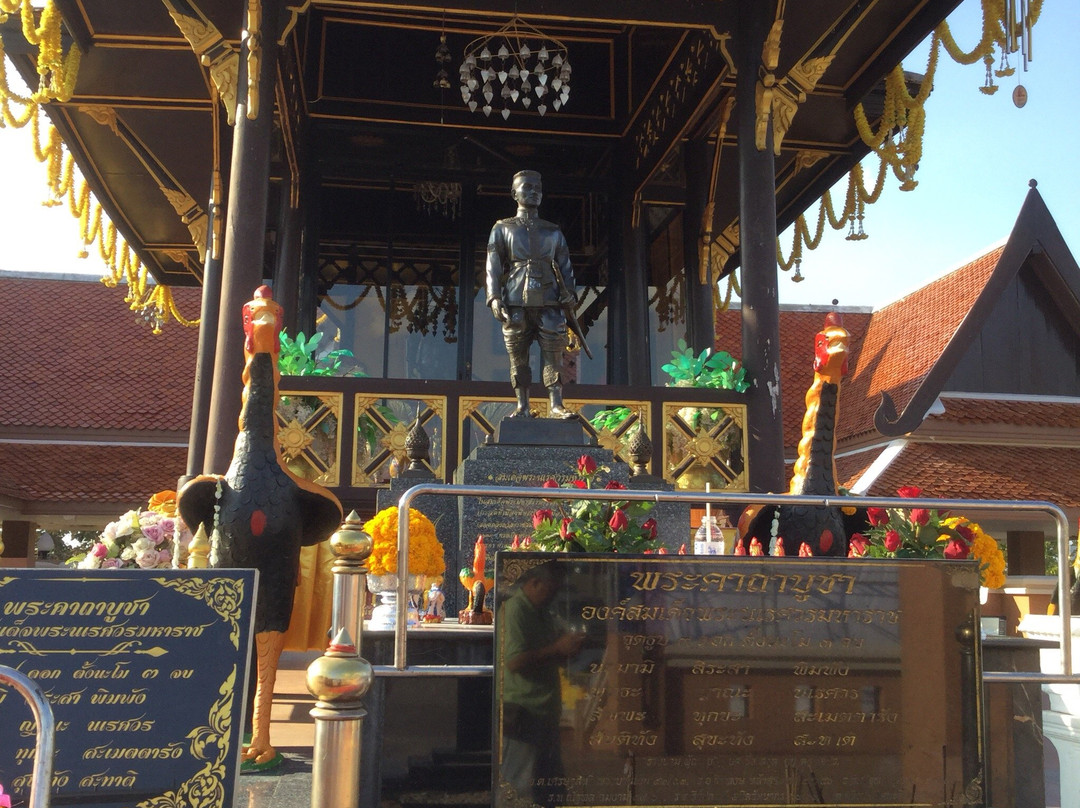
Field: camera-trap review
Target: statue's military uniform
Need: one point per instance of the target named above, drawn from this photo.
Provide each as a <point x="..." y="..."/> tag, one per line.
<point x="528" y="269"/>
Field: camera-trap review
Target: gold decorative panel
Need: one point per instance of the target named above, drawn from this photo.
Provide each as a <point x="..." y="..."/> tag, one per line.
<point x="616" y="433"/>
<point x="309" y="435"/>
<point x="479" y="417"/>
<point x="705" y="444"/>
<point x="383" y="423"/>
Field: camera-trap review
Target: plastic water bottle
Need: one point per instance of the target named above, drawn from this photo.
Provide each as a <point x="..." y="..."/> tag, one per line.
<point x="709" y="540"/>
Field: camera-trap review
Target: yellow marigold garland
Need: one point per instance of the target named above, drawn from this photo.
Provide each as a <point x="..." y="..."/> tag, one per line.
<point x="58" y="73"/>
<point x="897" y="141"/>
<point x="986" y="550"/>
<point x="425" y="551"/>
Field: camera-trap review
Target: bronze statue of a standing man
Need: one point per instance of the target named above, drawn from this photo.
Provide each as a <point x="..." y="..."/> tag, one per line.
<point x="529" y="284"/>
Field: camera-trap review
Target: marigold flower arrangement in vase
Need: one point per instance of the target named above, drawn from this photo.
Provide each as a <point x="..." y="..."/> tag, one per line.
<point x="426" y="561"/>
<point x="928" y="533"/>
<point x="591" y="525"/>
<point x="155" y="538"/>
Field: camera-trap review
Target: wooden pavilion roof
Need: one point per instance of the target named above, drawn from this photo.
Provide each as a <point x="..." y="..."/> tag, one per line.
<point x="358" y="107"/>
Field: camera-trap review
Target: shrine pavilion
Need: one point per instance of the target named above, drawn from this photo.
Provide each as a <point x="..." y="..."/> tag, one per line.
<point x="357" y="152"/>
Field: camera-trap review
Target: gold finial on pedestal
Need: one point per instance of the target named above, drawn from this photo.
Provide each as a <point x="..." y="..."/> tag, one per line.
<point x="339" y="676"/>
<point x="199" y="550"/>
<point x="350" y="541"/>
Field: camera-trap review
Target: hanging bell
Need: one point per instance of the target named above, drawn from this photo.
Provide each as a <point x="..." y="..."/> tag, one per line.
<point x="442" y="53"/>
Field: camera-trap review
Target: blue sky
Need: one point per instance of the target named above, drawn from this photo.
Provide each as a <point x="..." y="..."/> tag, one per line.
<point x="979" y="152"/>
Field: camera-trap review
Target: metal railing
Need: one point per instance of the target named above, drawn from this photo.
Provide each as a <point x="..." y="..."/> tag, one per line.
<point x="965" y="506"/>
<point x="46" y="733"/>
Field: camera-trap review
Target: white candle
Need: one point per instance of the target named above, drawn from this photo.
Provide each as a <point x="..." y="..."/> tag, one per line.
<point x="708" y="505"/>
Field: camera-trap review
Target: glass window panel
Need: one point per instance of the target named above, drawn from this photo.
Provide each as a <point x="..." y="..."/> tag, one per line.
<point x="351" y="317"/>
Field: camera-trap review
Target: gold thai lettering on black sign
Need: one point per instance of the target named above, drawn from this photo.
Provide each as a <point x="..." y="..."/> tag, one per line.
<point x="141" y="669"/>
<point x="685" y="680"/>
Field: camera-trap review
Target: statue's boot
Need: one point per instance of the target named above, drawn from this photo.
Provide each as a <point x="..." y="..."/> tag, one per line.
<point x="556" y="408"/>
<point x="522" y="410"/>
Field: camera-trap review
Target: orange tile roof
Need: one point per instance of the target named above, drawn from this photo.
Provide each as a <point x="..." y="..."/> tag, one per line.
<point x="905" y="339"/>
<point x="851" y="467"/>
<point x="966" y="471"/>
<point x="58" y="473"/>
<point x="1025" y="412"/>
<point x="76" y="357"/>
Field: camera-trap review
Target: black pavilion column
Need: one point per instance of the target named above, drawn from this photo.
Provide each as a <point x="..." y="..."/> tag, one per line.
<point x="286" y="284"/>
<point x="637" y="299"/>
<point x="311" y="193"/>
<point x="211" y="300"/>
<point x="757" y="237"/>
<point x="245" y="231"/>
<point x="466" y="281"/>
<point x="628" y="300"/>
<point x="701" y="330"/>
<point x="617" y="361"/>
<point x="204" y="361"/>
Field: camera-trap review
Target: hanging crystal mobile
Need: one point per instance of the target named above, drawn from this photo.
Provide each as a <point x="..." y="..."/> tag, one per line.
<point x="515" y="63"/>
<point x="442" y="58"/>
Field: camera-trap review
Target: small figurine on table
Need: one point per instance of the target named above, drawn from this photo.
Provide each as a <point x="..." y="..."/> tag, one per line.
<point x="477" y="586"/>
<point x="435" y="605"/>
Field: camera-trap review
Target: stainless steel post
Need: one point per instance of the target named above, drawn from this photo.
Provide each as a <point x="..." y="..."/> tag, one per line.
<point x="338" y="680"/>
<point x="46" y="734"/>
<point x="351" y="547"/>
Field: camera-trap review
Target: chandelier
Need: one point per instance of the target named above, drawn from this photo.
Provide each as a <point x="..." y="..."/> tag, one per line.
<point x="438" y="197"/>
<point x="515" y="63"/>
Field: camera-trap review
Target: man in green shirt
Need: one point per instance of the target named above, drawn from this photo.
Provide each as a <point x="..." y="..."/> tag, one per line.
<point x="534" y="644"/>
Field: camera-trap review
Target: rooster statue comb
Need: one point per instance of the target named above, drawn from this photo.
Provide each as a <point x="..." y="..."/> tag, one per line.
<point x="264" y="512"/>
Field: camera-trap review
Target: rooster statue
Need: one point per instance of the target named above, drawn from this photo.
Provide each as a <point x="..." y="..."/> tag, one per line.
<point x="820" y="528"/>
<point x="477" y="584"/>
<point x="260" y="513"/>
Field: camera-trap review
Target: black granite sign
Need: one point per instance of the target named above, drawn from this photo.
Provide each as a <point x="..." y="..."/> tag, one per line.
<point x="145" y="672"/>
<point x="499" y="519"/>
<point x="726" y="681"/>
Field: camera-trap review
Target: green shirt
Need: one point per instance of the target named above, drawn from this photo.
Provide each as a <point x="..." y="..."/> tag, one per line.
<point x="523" y="627"/>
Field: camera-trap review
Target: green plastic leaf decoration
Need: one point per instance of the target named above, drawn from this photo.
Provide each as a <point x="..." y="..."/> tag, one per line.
<point x="718" y="370"/>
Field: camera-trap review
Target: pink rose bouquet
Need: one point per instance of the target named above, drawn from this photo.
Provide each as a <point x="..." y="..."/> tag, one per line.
<point x="155" y="538"/>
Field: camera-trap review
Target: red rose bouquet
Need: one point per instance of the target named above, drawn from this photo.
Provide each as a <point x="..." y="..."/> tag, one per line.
<point x="928" y="533"/>
<point x="589" y="525"/>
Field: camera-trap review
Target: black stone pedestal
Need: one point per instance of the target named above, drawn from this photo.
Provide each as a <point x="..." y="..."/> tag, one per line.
<point x="527" y="453"/>
<point x="540" y="432"/>
<point x="499" y="519"/>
